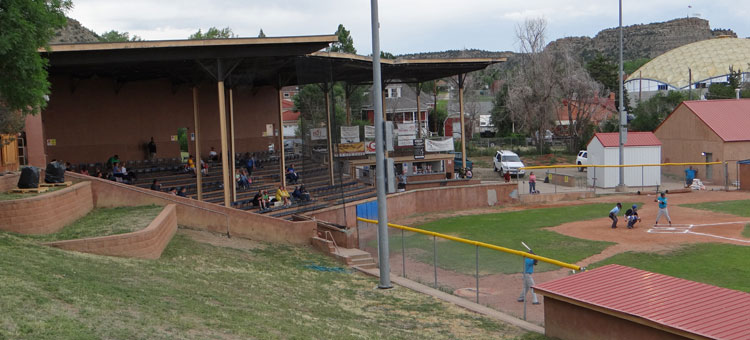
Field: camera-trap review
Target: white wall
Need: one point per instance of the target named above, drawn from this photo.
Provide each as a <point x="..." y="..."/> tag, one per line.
<point x="634" y="176"/>
<point x="596" y="156"/>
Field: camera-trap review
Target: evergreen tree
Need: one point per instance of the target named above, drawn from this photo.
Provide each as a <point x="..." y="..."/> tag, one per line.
<point x="604" y="71"/>
<point x="213" y="33"/>
<point x="115" y="36"/>
<point x="345" y="43"/>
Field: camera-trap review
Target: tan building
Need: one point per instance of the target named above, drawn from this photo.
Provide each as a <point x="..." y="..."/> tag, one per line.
<point x="707" y="131"/>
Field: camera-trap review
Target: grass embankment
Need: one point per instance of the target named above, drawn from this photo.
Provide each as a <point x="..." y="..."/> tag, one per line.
<point x="104" y="222"/>
<point x="6" y="196"/>
<point x="507" y="229"/>
<point x="199" y="291"/>
<point x="712" y="263"/>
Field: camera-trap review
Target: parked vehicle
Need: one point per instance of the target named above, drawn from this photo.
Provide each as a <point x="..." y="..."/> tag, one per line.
<point x="582" y="159"/>
<point x="508" y="161"/>
<point x="458" y="162"/>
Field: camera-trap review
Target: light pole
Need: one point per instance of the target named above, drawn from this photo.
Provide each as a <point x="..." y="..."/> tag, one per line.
<point x="377" y="92"/>
<point x="623" y="118"/>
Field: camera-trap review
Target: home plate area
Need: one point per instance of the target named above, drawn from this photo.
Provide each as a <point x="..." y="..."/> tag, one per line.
<point x="688" y="229"/>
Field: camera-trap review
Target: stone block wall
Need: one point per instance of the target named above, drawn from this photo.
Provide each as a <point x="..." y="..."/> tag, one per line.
<point x="46" y="213"/>
<point x="148" y="243"/>
<point x="9" y="182"/>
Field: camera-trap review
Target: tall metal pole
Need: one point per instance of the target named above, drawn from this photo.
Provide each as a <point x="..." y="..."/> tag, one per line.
<point x="461" y="78"/>
<point x="377" y="92"/>
<point x="623" y="120"/>
<point x="197" y="131"/>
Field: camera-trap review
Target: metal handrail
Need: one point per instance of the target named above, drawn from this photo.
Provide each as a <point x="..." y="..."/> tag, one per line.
<point x="480" y="244"/>
<point x="614" y="166"/>
<point x="335" y="246"/>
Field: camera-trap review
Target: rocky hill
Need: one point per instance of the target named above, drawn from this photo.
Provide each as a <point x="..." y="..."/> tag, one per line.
<point x="643" y="41"/>
<point x="74" y="32"/>
<point x="453" y="54"/>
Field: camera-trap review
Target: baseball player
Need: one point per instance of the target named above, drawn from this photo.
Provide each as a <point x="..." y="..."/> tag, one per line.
<point x="662" y="209"/>
<point x="613" y="214"/>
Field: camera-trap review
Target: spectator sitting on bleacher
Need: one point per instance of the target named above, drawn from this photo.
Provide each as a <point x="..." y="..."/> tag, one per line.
<point x="258" y="200"/>
<point x="155" y="185"/>
<point x="98" y="173"/>
<point x="117" y="172"/>
<point x="283" y="196"/>
<point x="182" y="192"/>
<point x="301" y="194"/>
<point x="173" y="191"/>
<point x="127" y="176"/>
<point x="112" y="161"/>
<point x="190" y="167"/>
<point x="204" y="168"/>
<point x="242" y="180"/>
<point x="213" y="156"/>
<point x="249" y="163"/>
<point x="291" y="176"/>
<point x="84" y="171"/>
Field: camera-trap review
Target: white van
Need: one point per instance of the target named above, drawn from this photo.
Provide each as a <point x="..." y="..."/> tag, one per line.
<point x="508" y="161"/>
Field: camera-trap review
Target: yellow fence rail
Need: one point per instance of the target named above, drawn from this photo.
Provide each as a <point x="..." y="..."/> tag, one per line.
<point x="478" y="244"/>
<point x="613" y="166"/>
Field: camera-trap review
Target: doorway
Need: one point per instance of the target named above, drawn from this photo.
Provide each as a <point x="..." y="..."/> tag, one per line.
<point x="182" y="139"/>
<point x="709" y="168"/>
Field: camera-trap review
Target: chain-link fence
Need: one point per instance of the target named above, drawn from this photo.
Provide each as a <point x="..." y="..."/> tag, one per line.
<point x="480" y="272"/>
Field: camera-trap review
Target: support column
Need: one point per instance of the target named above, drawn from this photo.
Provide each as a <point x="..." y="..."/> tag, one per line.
<point x="385" y="121"/>
<point x="327" y="91"/>
<point x="282" y="159"/>
<point x="196" y="118"/>
<point x="461" y="78"/>
<point x="233" y="150"/>
<point x="223" y="131"/>
<point x="419" y="112"/>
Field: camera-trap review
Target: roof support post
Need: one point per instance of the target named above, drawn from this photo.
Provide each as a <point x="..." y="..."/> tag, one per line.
<point x="385" y="120"/>
<point x="232" y="153"/>
<point x="327" y="91"/>
<point x="419" y="112"/>
<point x="223" y="131"/>
<point x="197" y="129"/>
<point x="282" y="158"/>
<point x="461" y="78"/>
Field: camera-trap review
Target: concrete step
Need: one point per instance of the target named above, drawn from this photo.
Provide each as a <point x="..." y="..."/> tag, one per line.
<point x="360" y="262"/>
<point x="367" y="266"/>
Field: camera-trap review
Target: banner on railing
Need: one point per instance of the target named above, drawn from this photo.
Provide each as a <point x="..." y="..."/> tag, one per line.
<point x="438" y="145"/>
<point x="351" y="149"/>
<point x="350" y="134"/>
<point x="369" y="132"/>
<point x="318" y="134"/>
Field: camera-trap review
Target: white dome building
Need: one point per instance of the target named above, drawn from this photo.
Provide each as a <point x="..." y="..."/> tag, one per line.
<point x="692" y="66"/>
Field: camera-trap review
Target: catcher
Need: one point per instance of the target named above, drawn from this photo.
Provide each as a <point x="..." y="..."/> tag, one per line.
<point x="631" y="215"/>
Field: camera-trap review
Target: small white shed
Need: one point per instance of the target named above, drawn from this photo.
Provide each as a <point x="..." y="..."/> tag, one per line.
<point x="641" y="148"/>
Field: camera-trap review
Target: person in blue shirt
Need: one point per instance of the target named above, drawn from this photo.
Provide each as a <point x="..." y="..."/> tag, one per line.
<point x="528" y="281"/>
<point x="690" y="176"/>
<point x="662" y="209"/>
<point x="613" y="214"/>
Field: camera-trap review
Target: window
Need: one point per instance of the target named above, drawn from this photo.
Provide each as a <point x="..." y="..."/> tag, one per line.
<point x="662" y="87"/>
<point x="286" y="94"/>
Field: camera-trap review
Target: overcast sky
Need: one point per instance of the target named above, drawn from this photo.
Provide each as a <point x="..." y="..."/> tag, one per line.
<point x="407" y="26"/>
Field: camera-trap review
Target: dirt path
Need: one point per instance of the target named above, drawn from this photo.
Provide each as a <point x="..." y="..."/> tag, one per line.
<point x="501" y="291"/>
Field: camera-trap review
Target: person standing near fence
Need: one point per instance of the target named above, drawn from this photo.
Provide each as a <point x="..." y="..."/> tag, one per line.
<point x="528" y="281"/>
<point x="613" y="214"/>
<point x="662" y="209"/>
<point x="532" y="183"/>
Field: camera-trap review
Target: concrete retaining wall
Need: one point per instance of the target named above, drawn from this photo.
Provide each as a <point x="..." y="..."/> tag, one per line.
<point x="46" y="213"/>
<point x="563" y="196"/>
<point x="147" y="243"/>
<point x="201" y="215"/>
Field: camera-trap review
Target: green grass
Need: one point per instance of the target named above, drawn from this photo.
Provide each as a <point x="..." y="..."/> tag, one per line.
<point x="105" y="221"/>
<point x="199" y="291"/>
<point x="6" y="196"/>
<point x="507" y="229"/>
<point x="739" y="208"/>
<point x="722" y="265"/>
<point x="746" y="231"/>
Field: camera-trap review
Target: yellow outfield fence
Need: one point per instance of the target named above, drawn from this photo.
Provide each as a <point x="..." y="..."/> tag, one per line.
<point x="614" y="166"/>
<point x="479" y="244"/>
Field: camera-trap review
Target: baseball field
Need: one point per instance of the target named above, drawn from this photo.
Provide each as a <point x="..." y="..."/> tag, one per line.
<point x="708" y="241"/>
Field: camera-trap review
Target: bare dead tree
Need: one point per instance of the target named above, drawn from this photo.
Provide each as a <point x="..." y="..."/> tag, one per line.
<point x="533" y="93"/>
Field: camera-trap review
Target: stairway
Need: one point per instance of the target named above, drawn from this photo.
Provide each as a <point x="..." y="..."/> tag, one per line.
<point x="352" y="257"/>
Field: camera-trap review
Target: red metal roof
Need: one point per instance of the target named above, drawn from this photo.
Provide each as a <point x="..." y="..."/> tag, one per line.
<point x="693" y="307"/>
<point x="612" y="139"/>
<point x="728" y="118"/>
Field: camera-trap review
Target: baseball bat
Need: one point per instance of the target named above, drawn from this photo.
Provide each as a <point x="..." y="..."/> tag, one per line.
<point x="527" y="247"/>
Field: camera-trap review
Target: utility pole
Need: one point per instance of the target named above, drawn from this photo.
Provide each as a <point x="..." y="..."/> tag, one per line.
<point x="623" y="119"/>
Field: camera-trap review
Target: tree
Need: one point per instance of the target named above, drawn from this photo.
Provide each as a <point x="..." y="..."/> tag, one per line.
<point x="387" y="55"/>
<point x="604" y="71"/>
<point x="345" y="43"/>
<point x="533" y="93"/>
<point x="651" y="112"/>
<point x="213" y="33"/>
<point x="727" y="91"/>
<point x="261" y="34"/>
<point x="115" y="36"/>
<point x="25" y="26"/>
<point x="501" y="116"/>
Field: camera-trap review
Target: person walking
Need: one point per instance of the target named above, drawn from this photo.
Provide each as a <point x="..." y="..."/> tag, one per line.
<point x="528" y="281"/>
<point x="613" y="214"/>
<point x="151" y="149"/>
<point x="662" y="200"/>
<point x="532" y="183"/>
